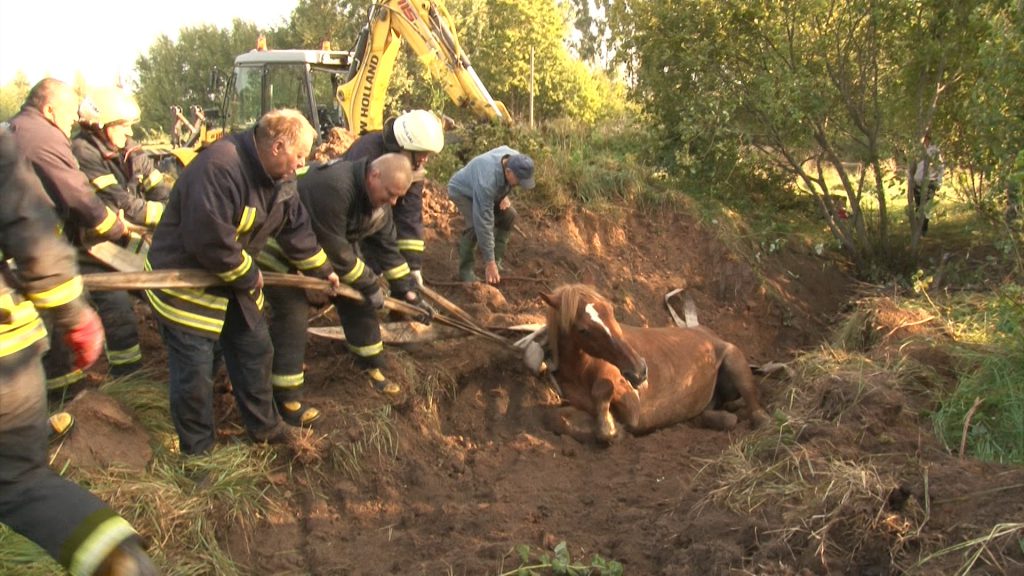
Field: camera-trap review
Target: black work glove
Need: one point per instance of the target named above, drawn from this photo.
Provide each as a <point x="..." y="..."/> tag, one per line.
<point x="374" y="296"/>
<point x="413" y="297"/>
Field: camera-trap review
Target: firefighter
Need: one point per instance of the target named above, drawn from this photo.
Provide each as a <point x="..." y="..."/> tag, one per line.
<point x="480" y="190"/>
<point x="225" y="206"/>
<point x="350" y="208"/>
<point x="127" y="181"/>
<point x="416" y="134"/>
<point x="42" y="130"/>
<point x="72" y="525"/>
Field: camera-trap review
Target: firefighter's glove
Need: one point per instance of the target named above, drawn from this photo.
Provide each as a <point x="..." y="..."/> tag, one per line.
<point x="427" y="315"/>
<point x="85" y="338"/>
<point x="374" y="296"/>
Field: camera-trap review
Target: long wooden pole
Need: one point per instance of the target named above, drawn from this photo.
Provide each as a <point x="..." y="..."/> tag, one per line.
<point x="189" y="278"/>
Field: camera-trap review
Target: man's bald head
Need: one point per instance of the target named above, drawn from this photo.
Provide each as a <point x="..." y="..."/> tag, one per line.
<point x="388" y="180"/>
<point x="56" y="101"/>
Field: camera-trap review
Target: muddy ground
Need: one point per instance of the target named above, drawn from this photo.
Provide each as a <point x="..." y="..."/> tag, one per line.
<point x="466" y="470"/>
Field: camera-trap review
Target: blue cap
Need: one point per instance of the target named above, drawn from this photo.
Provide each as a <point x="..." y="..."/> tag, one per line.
<point x="522" y="166"/>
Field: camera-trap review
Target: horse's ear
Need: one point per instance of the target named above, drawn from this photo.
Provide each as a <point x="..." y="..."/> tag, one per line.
<point x="550" y="299"/>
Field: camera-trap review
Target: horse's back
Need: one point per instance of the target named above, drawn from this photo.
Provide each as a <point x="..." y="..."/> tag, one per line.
<point x="672" y="344"/>
<point x="682" y="371"/>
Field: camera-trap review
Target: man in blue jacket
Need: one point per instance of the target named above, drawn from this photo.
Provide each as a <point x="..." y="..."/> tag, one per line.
<point x="480" y="191"/>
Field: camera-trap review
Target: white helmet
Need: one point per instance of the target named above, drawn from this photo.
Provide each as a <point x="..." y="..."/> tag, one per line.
<point x="108" y="105"/>
<point x="419" y="131"/>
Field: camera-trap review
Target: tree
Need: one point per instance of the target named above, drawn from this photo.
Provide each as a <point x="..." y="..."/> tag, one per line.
<point x="986" y="126"/>
<point x="817" y="86"/>
<point x="498" y="36"/>
<point x="13" y="94"/>
<point x="181" y="73"/>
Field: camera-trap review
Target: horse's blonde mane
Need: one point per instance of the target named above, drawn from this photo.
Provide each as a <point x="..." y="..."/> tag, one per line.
<point x="568" y="298"/>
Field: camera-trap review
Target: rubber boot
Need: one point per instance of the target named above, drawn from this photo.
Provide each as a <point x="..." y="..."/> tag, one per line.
<point x="467" y="258"/>
<point x="128" y="559"/>
<point x="500" y="245"/>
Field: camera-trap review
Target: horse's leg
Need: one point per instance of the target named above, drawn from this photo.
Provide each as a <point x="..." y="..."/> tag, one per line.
<point x="601" y="392"/>
<point x="737" y="371"/>
<point x="561" y="421"/>
<point x="716" y="419"/>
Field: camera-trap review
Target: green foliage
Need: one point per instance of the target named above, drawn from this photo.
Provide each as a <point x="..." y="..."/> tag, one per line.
<point x="994" y="375"/>
<point x="986" y="131"/>
<point x="560" y="563"/>
<point x="180" y="73"/>
<point x="598" y="166"/>
<point x="12" y="95"/>
<point x="818" y="87"/>
<point x="499" y="37"/>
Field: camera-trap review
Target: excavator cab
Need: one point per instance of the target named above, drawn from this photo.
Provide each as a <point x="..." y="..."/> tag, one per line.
<point x="305" y="80"/>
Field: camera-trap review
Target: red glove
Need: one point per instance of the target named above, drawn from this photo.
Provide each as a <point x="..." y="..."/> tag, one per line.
<point x="85" y="338"/>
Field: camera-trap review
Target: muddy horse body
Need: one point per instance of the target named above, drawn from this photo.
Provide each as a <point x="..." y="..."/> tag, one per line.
<point x="644" y="378"/>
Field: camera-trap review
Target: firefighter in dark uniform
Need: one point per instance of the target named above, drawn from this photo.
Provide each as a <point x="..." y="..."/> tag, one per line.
<point x="126" y="180"/>
<point x="416" y="134"/>
<point x="349" y="204"/>
<point x="42" y="129"/>
<point x="227" y="203"/>
<point x="72" y="525"/>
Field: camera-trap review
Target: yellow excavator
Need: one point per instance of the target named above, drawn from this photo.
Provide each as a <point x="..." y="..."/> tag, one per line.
<point x="339" y="89"/>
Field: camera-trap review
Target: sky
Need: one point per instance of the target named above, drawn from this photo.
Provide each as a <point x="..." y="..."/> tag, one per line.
<point x="102" y="38"/>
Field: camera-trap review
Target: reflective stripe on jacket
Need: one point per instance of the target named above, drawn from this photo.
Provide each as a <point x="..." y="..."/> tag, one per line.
<point x="49" y="151"/>
<point x="223" y="209"/>
<point x="335" y="196"/>
<point x="407" y="212"/>
<point x="37" y="267"/>
<point x="123" y="180"/>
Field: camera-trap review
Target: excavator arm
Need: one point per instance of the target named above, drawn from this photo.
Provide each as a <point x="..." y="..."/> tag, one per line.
<point x="426" y="26"/>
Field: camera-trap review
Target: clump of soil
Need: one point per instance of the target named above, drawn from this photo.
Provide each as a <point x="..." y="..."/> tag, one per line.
<point x="454" y="475"/>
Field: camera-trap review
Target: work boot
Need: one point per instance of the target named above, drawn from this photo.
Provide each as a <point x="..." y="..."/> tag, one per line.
<point x="467" y="258"/>
<point x="128" y="559"/>
<point x="295" y="413"/>
<point x="380" y="382"/>
<point x="61" y="424"/>
<point x="500" y="245"/>
<point x="280" y="434"/>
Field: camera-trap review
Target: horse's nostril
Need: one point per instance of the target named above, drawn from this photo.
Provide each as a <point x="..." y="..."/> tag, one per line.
<point x="643" y="370"/>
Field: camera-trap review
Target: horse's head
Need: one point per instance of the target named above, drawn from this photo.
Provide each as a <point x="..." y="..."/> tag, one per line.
<point x="586" y="321"/>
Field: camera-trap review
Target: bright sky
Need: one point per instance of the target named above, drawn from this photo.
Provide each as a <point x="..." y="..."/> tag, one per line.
<point x="103" y="38"/>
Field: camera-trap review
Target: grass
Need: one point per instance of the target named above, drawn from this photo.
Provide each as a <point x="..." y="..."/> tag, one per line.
<point x="373" y="435"/>
<point x="178" y="504"/>
<point x="991" y="328"/>
<point x="559" y="563"/>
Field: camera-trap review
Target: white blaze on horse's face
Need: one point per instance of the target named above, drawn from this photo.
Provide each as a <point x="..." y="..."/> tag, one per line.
<point x="592" y="312"/>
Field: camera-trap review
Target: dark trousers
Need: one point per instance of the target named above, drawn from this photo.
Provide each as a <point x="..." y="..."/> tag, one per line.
<point x="361" y="324"/>
<point x="56" y="514"/>
<point x="120" y="325"/>
<point x="504" y="220"/>
<point x="929" y="196"/>
<point x="248" y="354"/>
<point x="289" y="312"/>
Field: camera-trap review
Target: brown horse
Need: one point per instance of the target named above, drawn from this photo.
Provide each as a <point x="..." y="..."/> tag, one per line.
<point x="644" y="378"/>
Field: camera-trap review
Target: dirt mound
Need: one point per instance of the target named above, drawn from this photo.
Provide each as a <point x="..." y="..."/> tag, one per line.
<point x="462" y="470"/>
<point x="104" y="435"/>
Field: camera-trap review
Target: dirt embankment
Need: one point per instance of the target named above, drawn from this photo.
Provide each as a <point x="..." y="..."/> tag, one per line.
<point x="467" y="470"/>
